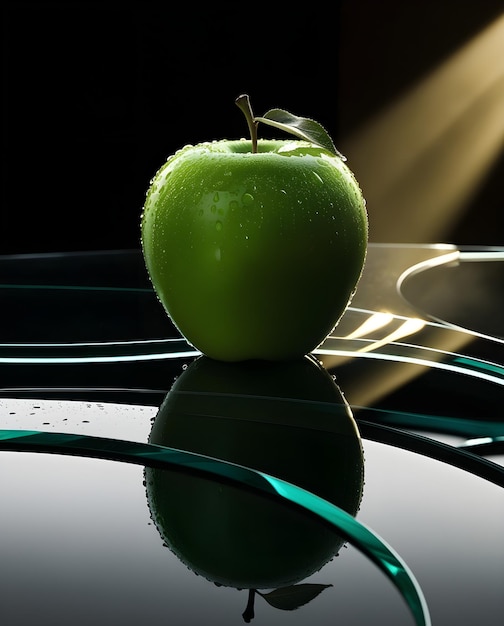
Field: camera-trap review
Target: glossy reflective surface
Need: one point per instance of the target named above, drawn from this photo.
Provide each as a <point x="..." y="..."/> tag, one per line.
<point x="88" y="360"/>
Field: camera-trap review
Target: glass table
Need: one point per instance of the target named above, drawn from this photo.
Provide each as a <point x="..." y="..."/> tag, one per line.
<point x="141" y="481"/>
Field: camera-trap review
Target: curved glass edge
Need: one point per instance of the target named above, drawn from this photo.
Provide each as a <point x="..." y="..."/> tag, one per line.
<point x="461" y="426"/>
<point x="485" y="445"/>
<point x="97" y="352"/>
<point x="456" y="257"/>
<point x="416" y="354"/>
<point x="360" y="342"/>
<point x="389" y="426"/>
<point x="362" y="537"/>
<point x="461" y="457"/>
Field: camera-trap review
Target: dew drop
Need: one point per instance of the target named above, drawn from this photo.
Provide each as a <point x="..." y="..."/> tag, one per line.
<point x="247" y="199"/>
<point x="213" y="208"/>
<point x="233" y="205"/>
<point x="218" y="254"/>
<point x="216" y="197"/>
<point x="218" y="225"/>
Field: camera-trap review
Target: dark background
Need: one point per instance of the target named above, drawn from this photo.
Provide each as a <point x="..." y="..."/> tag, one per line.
<point x="97" y="95"/>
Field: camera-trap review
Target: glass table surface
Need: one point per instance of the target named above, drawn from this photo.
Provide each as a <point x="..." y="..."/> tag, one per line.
<point x="141" y="481"/>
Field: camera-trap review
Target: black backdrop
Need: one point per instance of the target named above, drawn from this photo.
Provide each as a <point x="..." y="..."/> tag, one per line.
<point x="100" y="93"/>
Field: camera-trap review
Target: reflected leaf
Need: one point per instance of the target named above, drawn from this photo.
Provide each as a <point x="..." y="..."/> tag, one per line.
<point x="294" y="596"/>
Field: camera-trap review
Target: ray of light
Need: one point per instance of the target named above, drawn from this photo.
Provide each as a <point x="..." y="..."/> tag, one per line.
<point x="421" y="160"/>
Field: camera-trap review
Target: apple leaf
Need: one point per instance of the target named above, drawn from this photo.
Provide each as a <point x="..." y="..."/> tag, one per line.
<point x="291" y="598"/>
<point x="302" y="127"/>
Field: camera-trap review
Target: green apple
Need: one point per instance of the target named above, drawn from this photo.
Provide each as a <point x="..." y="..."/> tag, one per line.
<point x="255" y="247"/>
<point x="286" y="419"/>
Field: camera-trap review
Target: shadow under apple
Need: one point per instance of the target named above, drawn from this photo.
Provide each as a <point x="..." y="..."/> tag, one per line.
<point x="289" y="420"/>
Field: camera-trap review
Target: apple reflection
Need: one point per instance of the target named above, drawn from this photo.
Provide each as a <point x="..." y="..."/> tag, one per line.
<point x="289" y="420"/>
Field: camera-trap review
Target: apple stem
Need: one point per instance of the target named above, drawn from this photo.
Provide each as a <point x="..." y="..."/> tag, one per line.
<point x="243" y="103"/>
<point x="248" y="615"/>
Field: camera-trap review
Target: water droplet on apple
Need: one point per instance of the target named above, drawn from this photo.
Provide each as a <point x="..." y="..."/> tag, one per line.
<point x="200" y="212"/>
<point x="216" y="197"/>
<point x="247" y="199"/>
<point x="213" y="208"/>
<point x="218" y="254"/>
<point x="233" y="205"/>
<point x="218" y="225"/>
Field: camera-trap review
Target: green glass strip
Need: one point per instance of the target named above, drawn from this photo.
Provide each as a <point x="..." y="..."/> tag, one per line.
<point x="368" y="542"/>
<point x="485" y="445"/>
<point x="482" y="365"/>
<point x="364" y="539"/>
